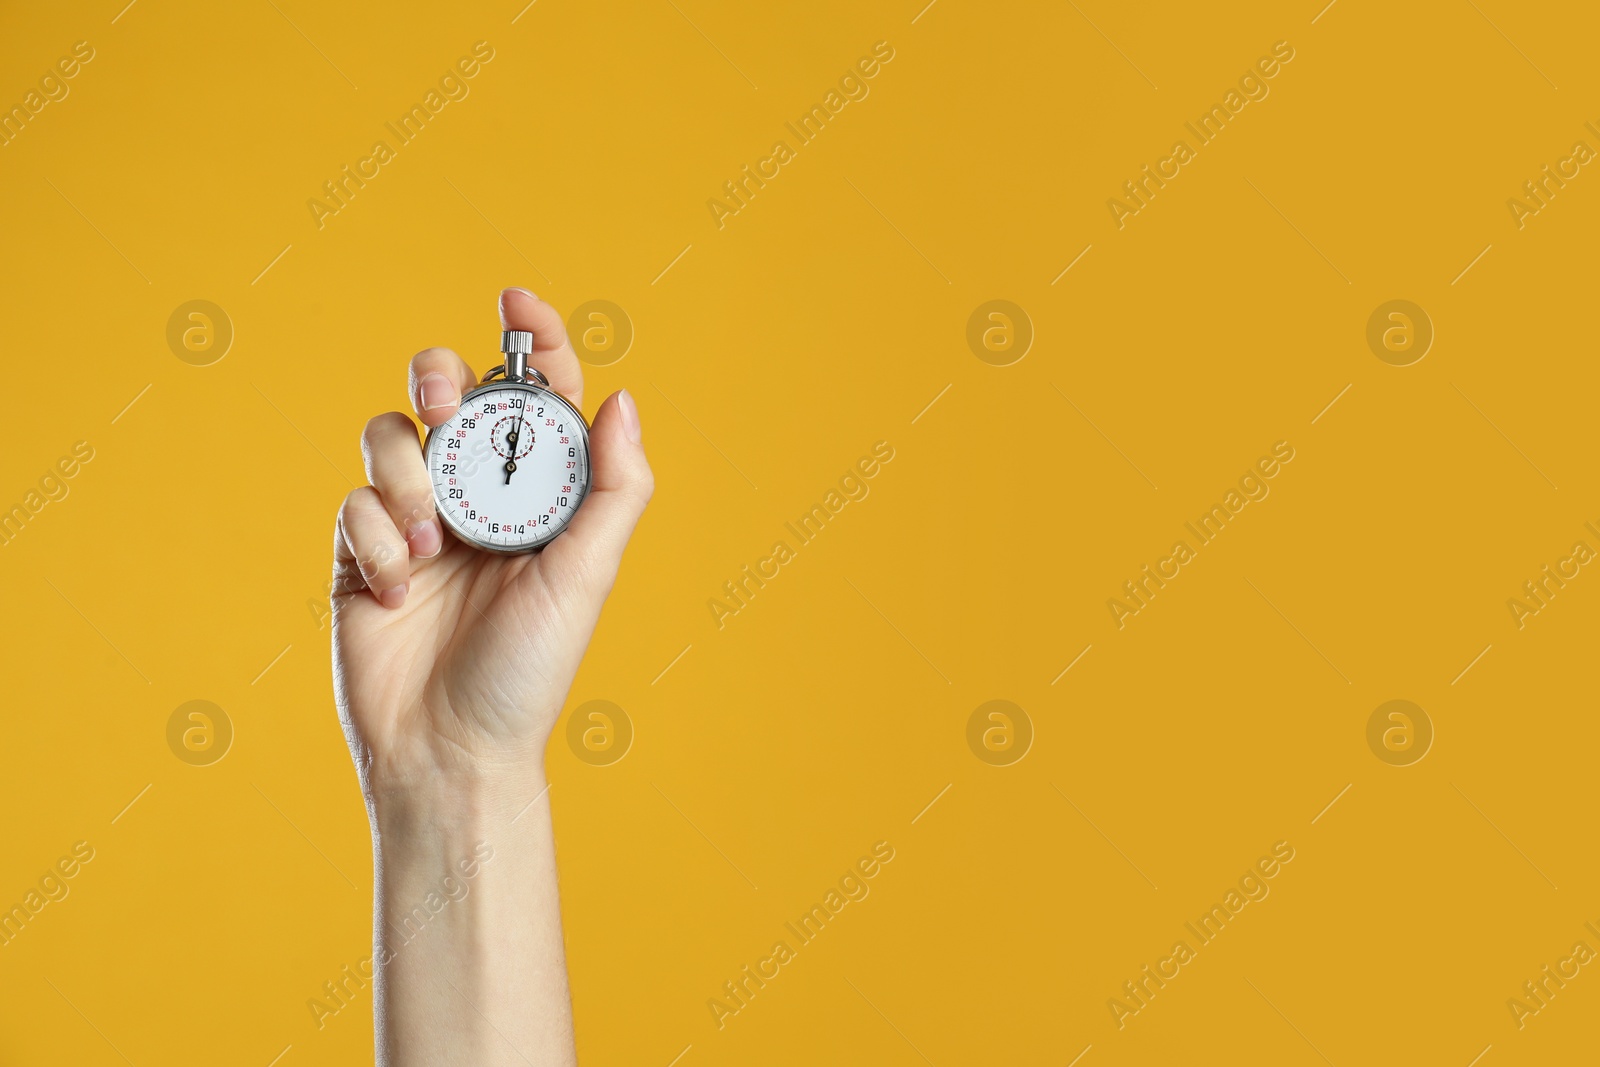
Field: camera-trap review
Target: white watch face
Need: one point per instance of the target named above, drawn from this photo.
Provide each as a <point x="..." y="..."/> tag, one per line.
<point x="510" y="468"/>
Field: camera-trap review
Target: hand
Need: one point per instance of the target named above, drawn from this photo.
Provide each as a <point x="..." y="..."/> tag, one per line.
<point x="511" y="446"/>
<point x="451" y="663"/>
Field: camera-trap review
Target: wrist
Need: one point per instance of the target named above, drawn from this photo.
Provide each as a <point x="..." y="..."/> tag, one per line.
<point x="429" y="811"/>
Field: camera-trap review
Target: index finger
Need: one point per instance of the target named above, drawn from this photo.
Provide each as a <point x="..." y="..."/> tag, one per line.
<point x="552" y="351"/>
<point x="438" y="379"/>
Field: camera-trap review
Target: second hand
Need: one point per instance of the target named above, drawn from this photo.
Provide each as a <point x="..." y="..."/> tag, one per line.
<point x="511" y="444"/>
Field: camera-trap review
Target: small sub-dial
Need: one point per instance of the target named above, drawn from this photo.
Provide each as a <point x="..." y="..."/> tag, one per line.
<point x="509" y="428"/>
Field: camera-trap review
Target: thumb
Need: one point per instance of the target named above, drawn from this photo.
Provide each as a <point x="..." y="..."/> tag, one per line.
<point x="590" y="551"/>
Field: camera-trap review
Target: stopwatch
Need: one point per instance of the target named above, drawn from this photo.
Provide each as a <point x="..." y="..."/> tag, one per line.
<point x="511" y="467"/>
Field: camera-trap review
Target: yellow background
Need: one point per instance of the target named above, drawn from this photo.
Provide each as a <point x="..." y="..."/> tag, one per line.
<point x="828" y="714"/>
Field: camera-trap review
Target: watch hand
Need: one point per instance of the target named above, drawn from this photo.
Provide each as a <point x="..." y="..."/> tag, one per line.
<point x="511" y="446"/>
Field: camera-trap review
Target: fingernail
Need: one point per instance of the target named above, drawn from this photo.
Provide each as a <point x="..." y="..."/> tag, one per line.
<point x="525" y="292"/>
<point x="425" y="538"/>
<point x="630" y="416"/>
<point x="436" y="392"/>
<point x="393" y="598"/>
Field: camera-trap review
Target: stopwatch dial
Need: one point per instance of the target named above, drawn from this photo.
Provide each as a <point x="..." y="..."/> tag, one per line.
<point x="510" y="469"/>
<point x="511" y="437"/>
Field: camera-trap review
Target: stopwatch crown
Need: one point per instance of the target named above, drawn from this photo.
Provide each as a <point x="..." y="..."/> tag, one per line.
<point x="516" y="341"/>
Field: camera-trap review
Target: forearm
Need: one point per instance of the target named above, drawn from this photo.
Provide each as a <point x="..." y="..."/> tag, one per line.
<point x="467" y="945"/>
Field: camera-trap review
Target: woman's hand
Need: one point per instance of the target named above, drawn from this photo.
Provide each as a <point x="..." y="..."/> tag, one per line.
<point x="450" y="667"/>
<point x="451" y="663"/>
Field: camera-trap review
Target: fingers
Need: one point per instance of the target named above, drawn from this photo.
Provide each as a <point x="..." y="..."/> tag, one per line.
<point x="590" y="552"/>
<point x="396" y="470"/>
<point x="383" y="526"/>
<point x="438" y="378"/>
<point x="552" y="352"/>
<point x="369" y="550"/>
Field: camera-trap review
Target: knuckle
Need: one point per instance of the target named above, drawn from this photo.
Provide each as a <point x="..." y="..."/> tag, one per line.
<point x="353" y="501"/>
<point x="381" y="427"/>
<point x="428" y="360"/>
<point x="431" y="354"/>
<point x="639" y="486"/>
